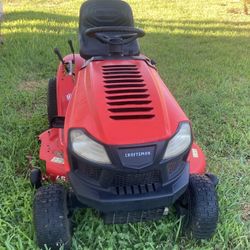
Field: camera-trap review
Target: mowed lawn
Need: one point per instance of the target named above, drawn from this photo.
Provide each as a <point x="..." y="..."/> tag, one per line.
<point x="202" y="49"/>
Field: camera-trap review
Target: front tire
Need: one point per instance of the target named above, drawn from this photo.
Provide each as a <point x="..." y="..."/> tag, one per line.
<point x="51" y="221"/>
<point x="199" y="207"/>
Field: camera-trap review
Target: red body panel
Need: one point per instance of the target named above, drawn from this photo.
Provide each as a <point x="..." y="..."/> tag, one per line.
<point x="90" y="105"/>
<point x="51" y="151"/>
<point x="85" y="105"/>
<point x="52" y="140"/>
<point x="66" y="83"/>
<point x="197" y="160"/>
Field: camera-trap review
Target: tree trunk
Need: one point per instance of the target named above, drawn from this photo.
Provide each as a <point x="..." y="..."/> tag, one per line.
<point x="245" y="7"/>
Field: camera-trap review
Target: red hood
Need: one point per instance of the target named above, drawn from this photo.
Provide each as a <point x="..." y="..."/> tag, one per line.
<point x="122" y="102"/>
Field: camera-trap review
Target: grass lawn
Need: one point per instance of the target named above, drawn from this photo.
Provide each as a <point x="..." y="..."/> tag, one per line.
<point x="203" y="53"/>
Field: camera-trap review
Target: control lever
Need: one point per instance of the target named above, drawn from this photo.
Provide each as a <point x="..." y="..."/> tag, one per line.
<point x="59" y="55"/>
<point x="72" y="50"/>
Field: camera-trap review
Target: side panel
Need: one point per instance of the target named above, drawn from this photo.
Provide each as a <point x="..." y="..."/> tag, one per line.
<point x="66" y="83"/>
<point x="51" y="151"/>
<point x="197" y="160"/>
<point x="52" y="140"/>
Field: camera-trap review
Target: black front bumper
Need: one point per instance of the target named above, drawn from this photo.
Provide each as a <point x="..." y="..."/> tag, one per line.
<point x="107" y="200"/>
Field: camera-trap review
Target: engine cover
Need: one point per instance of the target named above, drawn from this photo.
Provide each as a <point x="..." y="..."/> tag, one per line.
<point x="123" y="102"/>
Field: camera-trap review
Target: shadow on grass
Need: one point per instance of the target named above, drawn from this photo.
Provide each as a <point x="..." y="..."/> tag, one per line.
<point x="195" y="22"/>
<point x="55" y="29"/>
<point x="187" y="25"/>
<point x="38" y="15"/>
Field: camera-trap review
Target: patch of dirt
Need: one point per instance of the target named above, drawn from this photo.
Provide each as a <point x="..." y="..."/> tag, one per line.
<point x="246" y="212"/>
<point x="235" y="11"/>
<point x="31" y="86"/>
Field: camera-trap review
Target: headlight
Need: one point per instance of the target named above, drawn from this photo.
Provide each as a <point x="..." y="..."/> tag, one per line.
<point x="87" y="148"/>
<point x="180" y="142"/>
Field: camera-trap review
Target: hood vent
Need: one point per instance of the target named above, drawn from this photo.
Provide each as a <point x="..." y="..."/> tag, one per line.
<point x="126" y="93"/>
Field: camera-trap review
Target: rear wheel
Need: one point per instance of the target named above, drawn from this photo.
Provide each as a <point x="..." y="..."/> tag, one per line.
<point x="51" y="100"/>
<point x="199" y="207"/>
<point x="52" y="224"/>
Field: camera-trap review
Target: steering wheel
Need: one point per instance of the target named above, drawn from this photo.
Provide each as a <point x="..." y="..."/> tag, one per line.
<point x="127" y="34"/>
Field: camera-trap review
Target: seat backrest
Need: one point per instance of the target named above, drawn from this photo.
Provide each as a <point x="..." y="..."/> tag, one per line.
<point x="98" y="13"/>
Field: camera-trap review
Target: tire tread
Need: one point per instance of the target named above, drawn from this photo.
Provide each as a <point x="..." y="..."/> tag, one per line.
<point x="51" y="220"/>
<point x="204" y="207"/>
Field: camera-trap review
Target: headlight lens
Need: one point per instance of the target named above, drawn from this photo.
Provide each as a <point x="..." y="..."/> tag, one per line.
<point x="180" y="142"/>
<point x="87" y="148"/>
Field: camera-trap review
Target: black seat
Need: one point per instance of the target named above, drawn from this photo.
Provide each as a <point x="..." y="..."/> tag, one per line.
<point x="98" y="13"/>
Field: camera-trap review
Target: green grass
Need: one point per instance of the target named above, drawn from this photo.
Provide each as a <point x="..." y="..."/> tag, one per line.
<point x="203" y="54"/>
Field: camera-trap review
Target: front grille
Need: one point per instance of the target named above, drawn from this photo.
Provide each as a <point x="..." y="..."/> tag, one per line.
<point x="174" y="167"/>
<point x="128" y="183"/>
<point x="133" y="216"/>
<point x="136" y="189"/>
<point x="90" y="172"/>
<point x="121" y="179"/>
<point x="122" y="182"/>
<point x="125" y="86"/>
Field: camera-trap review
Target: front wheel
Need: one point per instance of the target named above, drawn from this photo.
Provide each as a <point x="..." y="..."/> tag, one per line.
<point x="51" y="217"/>
<point x="199" y="207"/>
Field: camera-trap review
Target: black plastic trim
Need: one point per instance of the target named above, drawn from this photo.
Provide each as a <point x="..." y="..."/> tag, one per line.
<point x="113" y="156"/>
<point x="105" y="201"/>
<point x="58" y="122"/>
<point x="107" y="58"/>
<point x="98" y="192"/>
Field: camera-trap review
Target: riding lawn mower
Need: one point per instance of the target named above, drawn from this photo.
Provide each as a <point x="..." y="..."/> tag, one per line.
<point x="118" y="141"/>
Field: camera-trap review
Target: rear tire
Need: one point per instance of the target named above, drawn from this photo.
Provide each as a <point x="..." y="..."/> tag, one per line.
<point x="51" y="221"/>
<point x="52" y="100"/>
<point x="199" y="207"/>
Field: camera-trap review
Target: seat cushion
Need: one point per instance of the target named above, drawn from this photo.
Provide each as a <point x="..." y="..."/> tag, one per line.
<point x="98" y="13"/>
